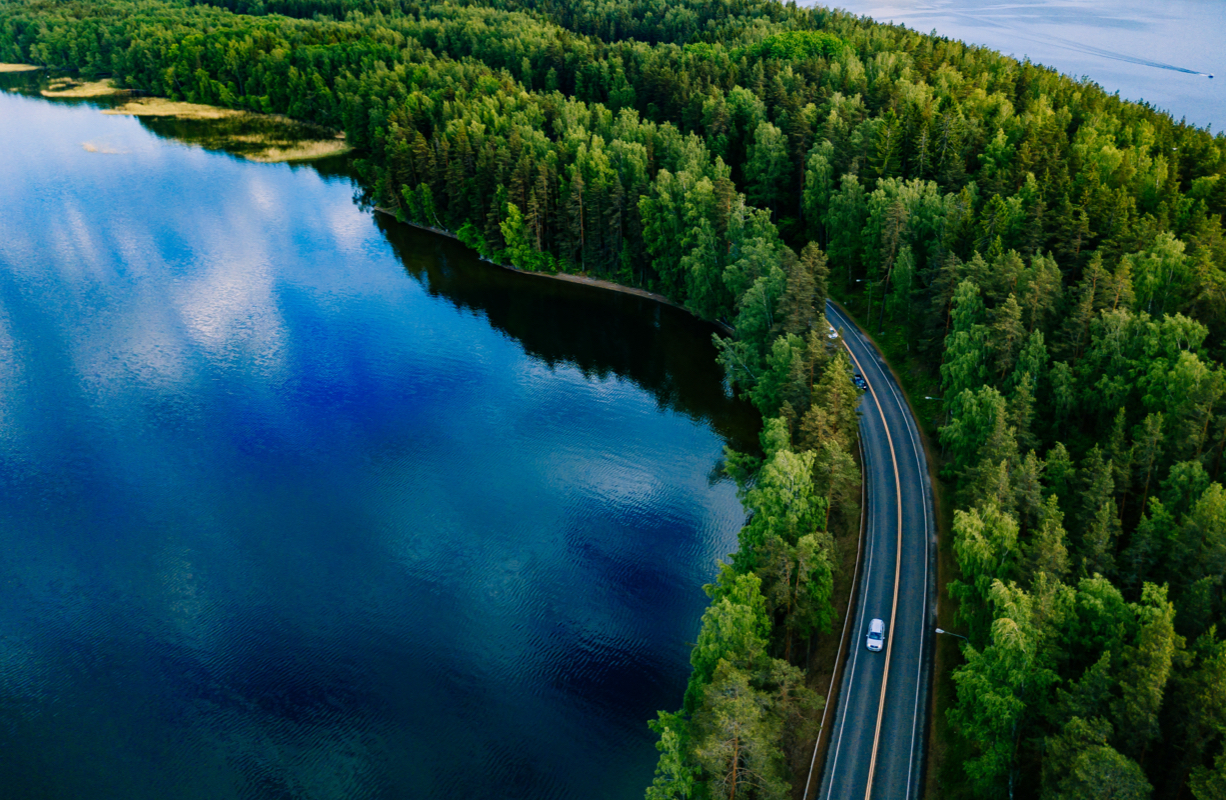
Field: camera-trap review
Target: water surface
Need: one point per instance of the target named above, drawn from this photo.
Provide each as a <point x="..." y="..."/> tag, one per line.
<point x="298" y="502"/>
<point x="1145" y="50"/>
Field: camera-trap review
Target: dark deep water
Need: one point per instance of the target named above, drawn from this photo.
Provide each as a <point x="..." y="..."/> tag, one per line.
<point x="296" y="502"/>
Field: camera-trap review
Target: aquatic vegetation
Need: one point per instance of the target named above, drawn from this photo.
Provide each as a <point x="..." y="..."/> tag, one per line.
<point x="67" y="87"/>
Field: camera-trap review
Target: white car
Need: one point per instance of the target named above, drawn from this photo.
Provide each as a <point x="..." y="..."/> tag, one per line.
<point x="832" y="333"/>
<point x="876" y="635"/>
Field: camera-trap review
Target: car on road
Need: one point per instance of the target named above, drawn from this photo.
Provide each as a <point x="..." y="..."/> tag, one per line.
<point x="859" y="381"/>
<point x="832" y="333"/>
<point x="876" y="635"/>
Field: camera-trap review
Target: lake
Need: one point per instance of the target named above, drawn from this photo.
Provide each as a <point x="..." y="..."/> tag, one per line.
<point x="1156" y="52"/>
<point x="302" y="502"/>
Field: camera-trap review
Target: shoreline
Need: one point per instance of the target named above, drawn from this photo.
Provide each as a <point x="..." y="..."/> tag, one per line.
<point x="162" y="107"/>
<point x="565" y="276"/>
<point x="277" y="139"/>
<point x="265" y="148"/>
<point x="71" y="88"/>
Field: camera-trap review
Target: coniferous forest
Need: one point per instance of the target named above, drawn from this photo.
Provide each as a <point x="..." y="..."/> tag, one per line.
<point x="1053" y="254"/>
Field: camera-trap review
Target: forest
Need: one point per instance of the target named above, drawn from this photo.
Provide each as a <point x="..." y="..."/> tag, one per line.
<point x="1054" y="256"/>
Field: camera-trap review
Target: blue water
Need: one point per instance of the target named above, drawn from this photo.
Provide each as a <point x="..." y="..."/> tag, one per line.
<point x="1156" y="52"/>
<point x="302" y="503"/>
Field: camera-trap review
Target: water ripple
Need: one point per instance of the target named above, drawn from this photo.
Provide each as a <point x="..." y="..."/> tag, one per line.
<point x="295" y="506"/>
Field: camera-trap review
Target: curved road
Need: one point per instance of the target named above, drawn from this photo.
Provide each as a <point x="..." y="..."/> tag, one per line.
<point x="877" y="743"/>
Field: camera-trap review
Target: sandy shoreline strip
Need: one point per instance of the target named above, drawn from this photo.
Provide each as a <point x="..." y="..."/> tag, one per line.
<point x="563" y="276"/>
<point x="18" y="67"/>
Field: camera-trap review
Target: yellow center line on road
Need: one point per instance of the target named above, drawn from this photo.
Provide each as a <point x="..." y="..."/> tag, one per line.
<point x="885" y="680"/>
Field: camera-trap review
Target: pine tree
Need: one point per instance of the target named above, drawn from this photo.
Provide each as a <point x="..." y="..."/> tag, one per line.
<point x="1045" y="551"/>
<point x="1147" y="453"/>
<point x="814" y="260"/>
<point x="1082" y="766"/>
<point x="818" y="187"/>
<point x="767" y="168"/>
<point x="1006" y="336"/>
<point x="797" y="310"/>
<point x="1146" y="668"/>
<point x="736" y="739"/>
<point x="964" y="368"/>
<point x="902" y="284"/>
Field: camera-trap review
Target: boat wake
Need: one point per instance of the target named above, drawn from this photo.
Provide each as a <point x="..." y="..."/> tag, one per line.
<point x="1081" y="47"/>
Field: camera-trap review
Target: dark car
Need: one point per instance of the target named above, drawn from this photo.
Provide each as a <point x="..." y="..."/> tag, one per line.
<point x="859" y="381"/>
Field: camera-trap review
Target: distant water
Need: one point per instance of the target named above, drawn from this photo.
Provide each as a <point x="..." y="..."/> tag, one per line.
<point x="301" y="503"/>
<point x="1158" y="52"/>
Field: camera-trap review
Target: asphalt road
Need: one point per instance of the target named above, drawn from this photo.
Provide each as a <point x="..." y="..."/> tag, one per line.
<point x="877" y="744"/>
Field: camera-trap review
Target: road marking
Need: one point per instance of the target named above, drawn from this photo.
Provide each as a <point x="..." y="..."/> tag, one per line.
<point x="855" y="658"/>
<point x="926" y="500"/>
<point x="885" y="679"/>
<point x="851" y="596"/>
<point x="923" y="627"/>
<point x="851" y="677"/>
<point x="919" y="670"/>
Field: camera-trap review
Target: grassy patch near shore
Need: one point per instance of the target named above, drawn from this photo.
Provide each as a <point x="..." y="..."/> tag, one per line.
<point x="297" y="151"/>
<point x="256" y="137"/>
<point x="264" y="138"/>
<point x="161" y="107"/>
<point x="66" y="87"/>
